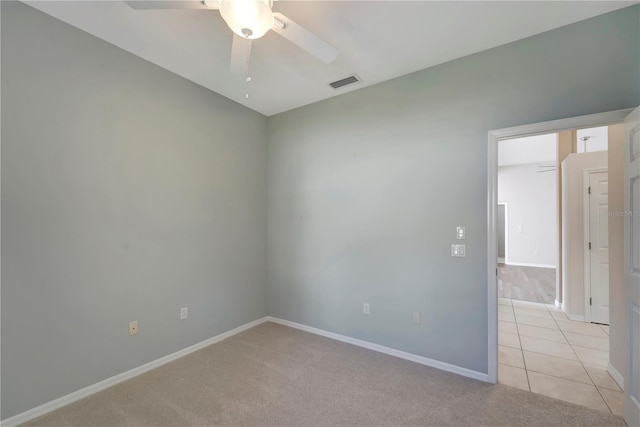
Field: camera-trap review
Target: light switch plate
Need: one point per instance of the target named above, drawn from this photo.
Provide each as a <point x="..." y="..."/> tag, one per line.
<point x="416" y="317"/>
<point x="458" y="251"/>
<point x="460" y="232"/>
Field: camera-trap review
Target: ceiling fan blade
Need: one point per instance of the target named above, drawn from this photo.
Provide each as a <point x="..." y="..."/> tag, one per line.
<point x="304" y="39"/>
<point x="240" y="54"/>
<point x="172" y="4"/>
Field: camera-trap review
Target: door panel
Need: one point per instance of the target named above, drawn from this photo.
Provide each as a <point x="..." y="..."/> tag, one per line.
<point x="635" y="224"/>
<point x="635" y="349"/>
<point x="632" y="265"/>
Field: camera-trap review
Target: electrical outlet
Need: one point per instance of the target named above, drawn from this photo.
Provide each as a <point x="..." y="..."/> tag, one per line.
<point x="416" y="317"/>
<point x="133" y="327"/>
<point x="365" y="308"/>
<point x="184" y="313"/>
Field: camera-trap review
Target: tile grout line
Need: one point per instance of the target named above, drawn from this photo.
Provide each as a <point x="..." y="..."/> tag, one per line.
<point x="526" y="371"/>
<point x="582" y="364"/>
<point x="556" y="357"/>
<point x="563" y="333"/>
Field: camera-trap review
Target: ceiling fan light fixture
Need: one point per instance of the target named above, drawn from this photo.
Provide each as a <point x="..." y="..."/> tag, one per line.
<point x="250" y="19"/>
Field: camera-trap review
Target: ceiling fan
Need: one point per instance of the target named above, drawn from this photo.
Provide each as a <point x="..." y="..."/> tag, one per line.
<point x="546" y="168"/>
<point x="250" y="20"/>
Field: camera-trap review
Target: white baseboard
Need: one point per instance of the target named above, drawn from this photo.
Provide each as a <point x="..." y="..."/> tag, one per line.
<point x="386" y="350"/>
<point x="574" y="317"/>
<point x="526" y="264"/>
<point x="109" y="382"/>
<point x="616" y="375"/>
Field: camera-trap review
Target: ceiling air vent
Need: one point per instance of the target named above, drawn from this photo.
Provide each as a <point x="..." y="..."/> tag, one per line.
<point x="346" y="81"/>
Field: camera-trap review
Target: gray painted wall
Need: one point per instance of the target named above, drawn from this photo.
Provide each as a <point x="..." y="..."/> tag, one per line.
<point x="127" y="192"/>
<point x="366" y="189"/>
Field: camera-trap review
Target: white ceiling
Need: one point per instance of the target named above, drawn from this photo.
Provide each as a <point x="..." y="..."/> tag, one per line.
<point x="528" y="150"/>
<point x="598" y="139"/>
<point x="378" y="40"/>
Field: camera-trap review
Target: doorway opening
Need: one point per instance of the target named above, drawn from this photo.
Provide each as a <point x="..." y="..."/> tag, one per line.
<point x="544" y="347"/>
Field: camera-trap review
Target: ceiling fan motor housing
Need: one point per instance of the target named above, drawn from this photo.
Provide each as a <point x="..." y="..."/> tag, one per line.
<point x="250" y="19"/>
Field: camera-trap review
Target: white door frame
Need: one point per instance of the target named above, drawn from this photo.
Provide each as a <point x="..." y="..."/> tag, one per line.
<point x="506" y="231"/>
<point x="586" y="218"/>
<point x="592" y="120"/>
<point x="631" y="405"/>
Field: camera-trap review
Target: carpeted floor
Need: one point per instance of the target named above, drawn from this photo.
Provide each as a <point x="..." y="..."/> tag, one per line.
<point x="527" y="283"/>
<point x="277" y="376"/>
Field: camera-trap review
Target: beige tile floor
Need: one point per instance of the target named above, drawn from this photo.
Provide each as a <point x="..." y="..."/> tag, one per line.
<point x="541" y="350"/>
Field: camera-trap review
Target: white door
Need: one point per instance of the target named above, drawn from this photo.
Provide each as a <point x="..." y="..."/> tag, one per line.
<point x="599" y="247"/>
<point x="632" y="264"/>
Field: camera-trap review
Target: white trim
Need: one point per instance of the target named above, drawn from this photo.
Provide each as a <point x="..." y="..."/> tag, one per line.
<point x="386" y="350"/>
<point x="555" y="126"/>
<point x="616" y="375"/>
<point x="109" y="382"/>
<point x="528" y="264"/>
<point x="574" y="317"/>
<point x="493" y="137"/>
<point x="631" y="404"/>
<point x="586" y="234"/>
<point x="492" y="253"/>
<point x="558" y="304"/>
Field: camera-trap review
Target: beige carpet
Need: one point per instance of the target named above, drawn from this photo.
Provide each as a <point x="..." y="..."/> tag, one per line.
<point x="277" y="376"/>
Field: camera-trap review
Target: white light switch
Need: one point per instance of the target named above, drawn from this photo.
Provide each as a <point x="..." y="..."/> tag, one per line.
<point x="416" y="317"/>
<point x="460" y="232"/>
<point x="458" y="251"/>
<point x="365" y="308"/>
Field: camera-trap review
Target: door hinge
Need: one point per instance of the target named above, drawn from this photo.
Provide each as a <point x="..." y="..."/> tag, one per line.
<point x="589" y="245"/>
<point x="589" y="190"/>
<point x="590" y="301"/>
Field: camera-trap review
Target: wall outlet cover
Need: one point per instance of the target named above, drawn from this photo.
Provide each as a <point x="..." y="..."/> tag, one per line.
<point x="133" y="327"/>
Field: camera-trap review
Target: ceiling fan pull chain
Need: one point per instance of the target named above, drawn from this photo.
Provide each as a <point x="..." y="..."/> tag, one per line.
<point x="247" y="61"/>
